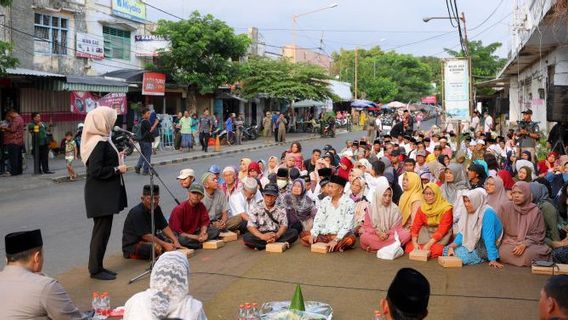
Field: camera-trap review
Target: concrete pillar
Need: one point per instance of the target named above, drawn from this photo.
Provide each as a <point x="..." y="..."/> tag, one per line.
<point x="514" y="100"/>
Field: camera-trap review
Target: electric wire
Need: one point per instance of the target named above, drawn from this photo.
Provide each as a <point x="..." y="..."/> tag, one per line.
<point x="489" y="17"/>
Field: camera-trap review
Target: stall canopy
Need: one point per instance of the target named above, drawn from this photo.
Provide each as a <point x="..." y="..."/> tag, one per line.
<point x="341" y="89"/>
<point x="362" y="104"/>
<point x="308" y="104"/>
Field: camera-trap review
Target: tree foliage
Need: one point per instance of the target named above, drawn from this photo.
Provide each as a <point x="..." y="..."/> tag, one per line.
<point x="6" y="58"/>
<point x="485" y="64"/>
<point x="384" y="76"/>
<point x="204" y="51"/>
<point x="282" y="80"/>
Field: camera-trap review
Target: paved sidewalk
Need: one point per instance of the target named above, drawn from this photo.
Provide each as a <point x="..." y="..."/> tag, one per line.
<point x="28" y="180"/>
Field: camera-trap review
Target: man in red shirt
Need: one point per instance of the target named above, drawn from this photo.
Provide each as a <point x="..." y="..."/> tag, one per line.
<point x="190" y="220"/>
<point x="14" y="141"/>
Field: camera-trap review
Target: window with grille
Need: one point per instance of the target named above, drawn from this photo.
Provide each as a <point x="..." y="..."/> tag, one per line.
<point x="50" y="34"/>
<point x="117" y="43"/>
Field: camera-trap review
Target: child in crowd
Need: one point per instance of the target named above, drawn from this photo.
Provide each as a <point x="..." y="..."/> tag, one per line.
<point x="70" y="154"/>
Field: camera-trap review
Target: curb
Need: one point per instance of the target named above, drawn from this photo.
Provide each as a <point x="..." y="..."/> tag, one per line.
<point x="62" y="179"/>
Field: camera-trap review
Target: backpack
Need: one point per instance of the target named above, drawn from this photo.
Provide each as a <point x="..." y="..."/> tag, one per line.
<point x="137" y="130"/>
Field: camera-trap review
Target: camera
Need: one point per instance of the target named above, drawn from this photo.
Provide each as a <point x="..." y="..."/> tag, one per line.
<point x="122" y="142"/>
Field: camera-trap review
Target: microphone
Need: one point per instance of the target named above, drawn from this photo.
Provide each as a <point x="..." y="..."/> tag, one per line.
<point x="119" y="129"/>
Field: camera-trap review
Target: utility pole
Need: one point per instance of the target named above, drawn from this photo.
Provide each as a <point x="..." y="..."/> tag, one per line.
<point x="465" y="35"/>
<point x="356" y="67"/>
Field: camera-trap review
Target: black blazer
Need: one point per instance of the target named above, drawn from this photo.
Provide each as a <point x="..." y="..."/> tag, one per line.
<point x="105" y="193"/>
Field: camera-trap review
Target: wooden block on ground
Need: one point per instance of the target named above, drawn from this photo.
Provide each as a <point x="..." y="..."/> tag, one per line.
<point x="188" y="252"/>
<point x="319" y="247"/>
<point x="450" y="262"/>
<point x="554" y="270"/>
<point x="213" y="244"/>
<point x="419" y="255"/>
<point x="276" y="247"/>
<point x="228" y="236"/>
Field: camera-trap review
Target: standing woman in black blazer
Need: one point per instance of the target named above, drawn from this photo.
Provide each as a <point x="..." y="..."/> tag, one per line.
<point x="105" y="194"/>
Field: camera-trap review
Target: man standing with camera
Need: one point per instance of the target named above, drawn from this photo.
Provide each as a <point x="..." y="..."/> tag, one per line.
<point x="528" y="134"/>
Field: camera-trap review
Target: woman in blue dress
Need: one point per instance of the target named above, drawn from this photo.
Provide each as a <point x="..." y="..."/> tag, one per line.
<point x="480" y="231"/>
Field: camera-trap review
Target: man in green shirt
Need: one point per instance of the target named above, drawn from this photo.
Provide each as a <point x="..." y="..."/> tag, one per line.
<point x="43" y="144"/>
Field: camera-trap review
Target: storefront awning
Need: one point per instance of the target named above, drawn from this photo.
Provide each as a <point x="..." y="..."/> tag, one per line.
<point x="228" y="96"/>
<point x="83" y="83"/>
<point x="308" y="104"/>
<point x="33" y="73"/>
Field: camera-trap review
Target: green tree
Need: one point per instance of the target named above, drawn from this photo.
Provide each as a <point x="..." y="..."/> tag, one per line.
<point x="282" y="80"/>
<point x="6" y="58"/>
<point x="204" y="53"/>
<point x="485" y="64"/>
<point x="384" y="76"/>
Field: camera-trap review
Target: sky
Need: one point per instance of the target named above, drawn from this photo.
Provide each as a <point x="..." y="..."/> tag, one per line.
<point x="392" y="25"/>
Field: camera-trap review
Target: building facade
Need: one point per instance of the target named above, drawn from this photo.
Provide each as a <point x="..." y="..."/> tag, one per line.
<point x="537" y="69"/>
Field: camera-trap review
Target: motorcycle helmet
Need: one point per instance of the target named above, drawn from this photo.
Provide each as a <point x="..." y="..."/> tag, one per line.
<point x="80" y="125"/>
<point x="327" y="147"/>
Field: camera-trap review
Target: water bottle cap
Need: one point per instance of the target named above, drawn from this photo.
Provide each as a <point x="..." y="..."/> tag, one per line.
<point x="248" y="305"/>
<point x="241" y="305"/>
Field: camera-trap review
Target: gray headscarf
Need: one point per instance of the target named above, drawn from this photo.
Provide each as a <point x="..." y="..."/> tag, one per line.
<point x="169" y="283"/>
<point x="540" y="194"/>
<point x="450" y="190"/>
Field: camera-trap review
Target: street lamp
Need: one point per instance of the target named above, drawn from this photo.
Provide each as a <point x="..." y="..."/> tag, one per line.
<point x="295" y="22"/>
<point x="462" y="18"/>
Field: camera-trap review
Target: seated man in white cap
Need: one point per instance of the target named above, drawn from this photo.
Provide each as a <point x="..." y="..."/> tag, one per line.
<point x="240" y="204"/>
<point x="407" y="297"/>
<point x="137" y="237"/>
<point x="334" y="221"/>
<point x="186" y="178"/>
<point x="268" y="223"/>
<point x="190" y="220"/>
<point x="215" y="201"/>
<point x="24" y="292"/>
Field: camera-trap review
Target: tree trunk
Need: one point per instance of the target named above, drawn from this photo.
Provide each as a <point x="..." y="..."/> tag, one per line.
<point x="191" y="99"/>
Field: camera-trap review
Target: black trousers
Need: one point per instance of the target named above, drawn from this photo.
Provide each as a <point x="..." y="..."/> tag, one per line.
<point x="99" y="240"/>
<point x="251" y="241"/>
<point x="204" y="140"/>
<point x="212" y="233"/>
<point x="275" y="135"/>
<point x="43" y="158"/>
<point x="14" y="158"/>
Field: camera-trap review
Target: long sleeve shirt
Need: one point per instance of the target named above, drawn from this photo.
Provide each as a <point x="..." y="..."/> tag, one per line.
<point x="332" y="220"/>
<point x="491" y="232"/>
<point x="446" y="222"/>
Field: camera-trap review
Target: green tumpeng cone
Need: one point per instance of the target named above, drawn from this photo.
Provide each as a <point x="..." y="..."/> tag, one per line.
<point x="297" y="302"/>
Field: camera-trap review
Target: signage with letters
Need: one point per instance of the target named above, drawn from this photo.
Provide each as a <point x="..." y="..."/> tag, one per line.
<point x="88" y="46"/>
<point x="129" y="9"/>
<point x="154" y="84"/>
<point x="83" y="101"/>
<point x="456" y="88"/>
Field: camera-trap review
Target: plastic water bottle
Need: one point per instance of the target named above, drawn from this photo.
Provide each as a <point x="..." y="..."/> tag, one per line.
<point x="255" y="312"/>
<point x="248" y="311"/>
<point x="105" y="304"/>
<point x="242" y="315"/>
<point x="96" y="305"/>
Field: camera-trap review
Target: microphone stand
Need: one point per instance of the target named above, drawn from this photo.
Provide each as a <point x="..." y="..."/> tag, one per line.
<point x="153" y="174"/>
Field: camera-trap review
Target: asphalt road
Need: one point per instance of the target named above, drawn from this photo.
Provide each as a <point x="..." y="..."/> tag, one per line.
<point x="59" y="209"/>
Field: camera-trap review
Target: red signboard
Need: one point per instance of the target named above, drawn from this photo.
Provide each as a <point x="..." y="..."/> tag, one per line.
<point x="154" y="84"/>
<point x="83" y="101"/>
<point x="429" y="100"/>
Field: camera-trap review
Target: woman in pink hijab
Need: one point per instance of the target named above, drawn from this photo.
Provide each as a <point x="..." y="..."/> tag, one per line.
<point x="523" y="229"/>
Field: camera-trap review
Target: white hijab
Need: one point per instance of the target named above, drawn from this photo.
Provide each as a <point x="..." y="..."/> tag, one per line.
<point x="384" y="218"/>
<point x="167" y="296"/>
<point x="98" y="127"/>
<point x="469" y="225"/>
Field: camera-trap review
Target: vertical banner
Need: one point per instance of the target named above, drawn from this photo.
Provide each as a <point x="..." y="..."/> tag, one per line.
<point x="456" y="88"/>
<point x="154" y="84"/>
<point x="83" y="101"/>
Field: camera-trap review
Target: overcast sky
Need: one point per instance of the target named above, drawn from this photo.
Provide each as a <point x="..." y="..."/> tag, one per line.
<point x="393" y="24"/>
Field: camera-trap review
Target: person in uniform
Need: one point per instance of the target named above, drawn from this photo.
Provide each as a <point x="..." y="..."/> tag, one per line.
<point x="25" y="293"/>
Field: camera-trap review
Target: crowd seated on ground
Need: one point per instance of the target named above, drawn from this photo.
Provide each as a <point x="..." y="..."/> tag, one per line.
<point x="474" y="200"/>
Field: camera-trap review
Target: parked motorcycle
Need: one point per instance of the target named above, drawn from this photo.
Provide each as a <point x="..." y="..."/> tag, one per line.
<point x="250" y="132"/>
<point x="328" y="129"/>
